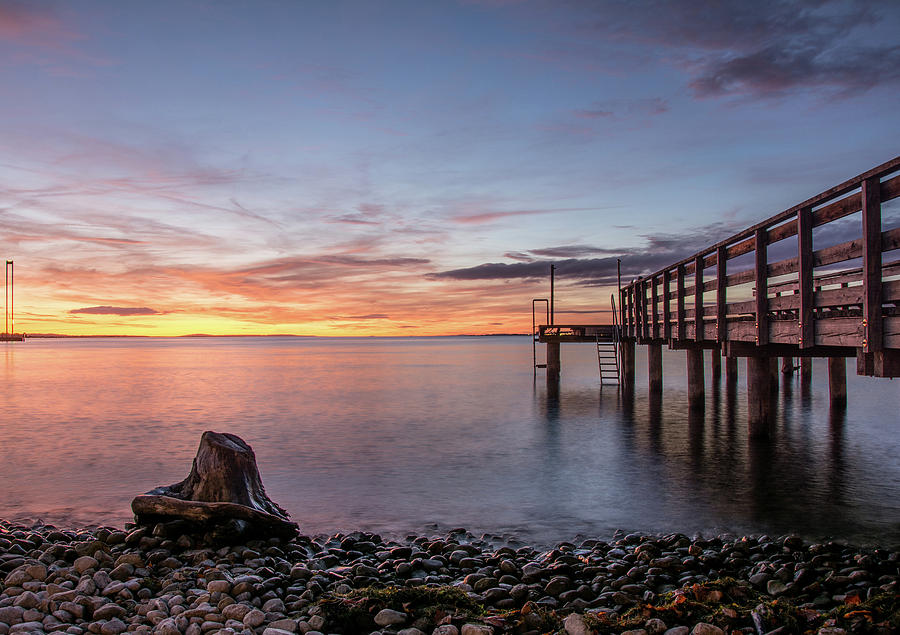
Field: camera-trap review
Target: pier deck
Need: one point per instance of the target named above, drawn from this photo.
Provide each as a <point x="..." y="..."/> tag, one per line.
<point x="576" y="333"/>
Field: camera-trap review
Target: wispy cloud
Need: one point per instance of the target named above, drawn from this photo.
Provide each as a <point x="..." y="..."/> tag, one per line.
<point x="115" y="310"/>
<point x="659" y="250"/>
<point x="760" y="49"/>
<point x="770" y="47"/>
<point x="37" y="35"/>
<point x="573" y="251"/>
<point x="33" y="24"/>
<point x="491" y="216"/>
<point x="370" y="316"/>
<point x="624" y="108"/>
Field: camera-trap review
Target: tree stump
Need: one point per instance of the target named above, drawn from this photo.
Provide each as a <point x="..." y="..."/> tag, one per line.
<point x="223" y="496"/>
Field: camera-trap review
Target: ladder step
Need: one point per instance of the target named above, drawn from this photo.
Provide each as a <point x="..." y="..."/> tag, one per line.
<point x="540" y="365"/>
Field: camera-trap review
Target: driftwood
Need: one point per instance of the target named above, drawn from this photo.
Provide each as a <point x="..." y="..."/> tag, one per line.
<point x="223" y="496"/>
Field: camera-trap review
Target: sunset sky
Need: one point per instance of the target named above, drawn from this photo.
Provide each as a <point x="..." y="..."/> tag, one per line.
<point x="409" y="168"/>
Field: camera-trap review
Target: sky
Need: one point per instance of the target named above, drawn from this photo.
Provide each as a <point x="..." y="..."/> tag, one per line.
<point x="410" y="168"/>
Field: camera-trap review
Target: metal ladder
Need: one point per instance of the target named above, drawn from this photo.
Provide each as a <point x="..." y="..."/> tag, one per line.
<point x="535" y="332"/>
<point x="608" y="354"/>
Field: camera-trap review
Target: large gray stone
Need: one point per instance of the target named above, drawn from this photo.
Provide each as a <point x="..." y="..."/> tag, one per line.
<point x="389" y="617"/>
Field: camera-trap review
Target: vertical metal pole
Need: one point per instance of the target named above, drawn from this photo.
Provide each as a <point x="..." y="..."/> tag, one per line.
<point x="619" y="274"/>
<point x="533" y="342"/>
<point x="552" y="300"/>
<point x="6" y="304"/>
<point x="12" y="295"/>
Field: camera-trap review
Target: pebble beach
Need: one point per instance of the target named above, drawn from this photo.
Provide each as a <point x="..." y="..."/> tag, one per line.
<point x="108" y="581"/>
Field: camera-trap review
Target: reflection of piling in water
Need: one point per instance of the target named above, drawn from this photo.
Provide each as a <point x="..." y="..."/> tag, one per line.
<point x="654" y="366"/>
<point x="837" y="380"/>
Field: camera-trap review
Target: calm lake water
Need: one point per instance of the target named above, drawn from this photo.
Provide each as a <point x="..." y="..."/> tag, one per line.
<point x="422" y="435"/>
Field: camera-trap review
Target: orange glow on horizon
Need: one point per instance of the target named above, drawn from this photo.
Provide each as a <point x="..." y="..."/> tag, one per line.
<point x="416" y="309"/>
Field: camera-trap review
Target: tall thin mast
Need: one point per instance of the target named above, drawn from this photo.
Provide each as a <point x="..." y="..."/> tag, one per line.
<point x="6" y="304"/>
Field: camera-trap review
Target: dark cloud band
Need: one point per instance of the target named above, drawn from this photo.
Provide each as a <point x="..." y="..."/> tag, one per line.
<point x="115" y="310"/>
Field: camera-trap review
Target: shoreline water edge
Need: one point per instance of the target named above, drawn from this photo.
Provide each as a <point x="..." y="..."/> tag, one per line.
<point x="108" y="581"/>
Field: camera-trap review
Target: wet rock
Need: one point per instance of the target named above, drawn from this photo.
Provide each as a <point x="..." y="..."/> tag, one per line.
<point x="253" y="618"/>
<point x="557" y="585"/>
<point x="113" y="627"/>
<point x="11" y="614"/>
<point x="706" y="629"/>
<point x="84" y="563"/>
<point x="574" y="625"/>
<point x="776" y="588"/>
<point x="166" y="627"/>
<point x="389" y="617"/>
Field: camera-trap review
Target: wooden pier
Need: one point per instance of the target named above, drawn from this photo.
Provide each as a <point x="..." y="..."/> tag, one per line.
<point x="555" y="334"/>
<point x="831" y="290"/>
<point x="821" y="279"/>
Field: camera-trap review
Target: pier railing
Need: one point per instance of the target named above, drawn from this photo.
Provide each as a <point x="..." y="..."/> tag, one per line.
<point x="837" y="284"/>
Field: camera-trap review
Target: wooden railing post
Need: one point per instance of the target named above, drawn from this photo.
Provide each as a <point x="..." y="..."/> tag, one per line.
<point x="645" y="322"/>
<point x="679" y="302"/>
<point x="630" y="291"/>
<point x="637" y="309"/>
<point x="871" y="222"/>
<point x="654" y="298"/>
<point x="621" y="308"/>
<point x="698" y="298"/>
<point x="721" y="291"/>
<point x="806" y="334"/>
<point x="762" y="288"/>
<point x="667" y="311"/>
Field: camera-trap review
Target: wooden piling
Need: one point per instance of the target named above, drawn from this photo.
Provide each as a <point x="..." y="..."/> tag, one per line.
<point x="654" y="367"/>
<point x="837" y="380"/>
<point x="696" y="393"/>
<point x="773" y="373"/>
<point x="553" y="361"/>
<point x="759" y="396"/>
<point x="716" y="365"/>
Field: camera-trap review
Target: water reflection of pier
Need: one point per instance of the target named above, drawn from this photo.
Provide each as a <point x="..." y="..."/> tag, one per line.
<point x="802" y="479"/>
